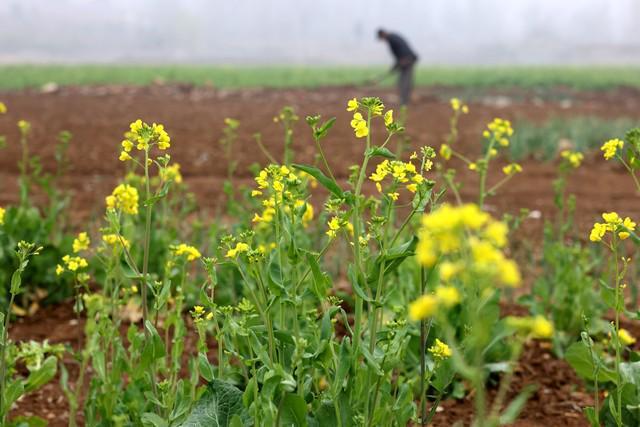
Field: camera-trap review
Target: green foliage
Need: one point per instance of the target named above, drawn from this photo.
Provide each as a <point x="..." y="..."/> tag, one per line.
<point x="583" y="134"/>
<point x="23" y="76"/>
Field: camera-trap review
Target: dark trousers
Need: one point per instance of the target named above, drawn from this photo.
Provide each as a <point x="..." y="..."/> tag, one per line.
<point x="405" y="84"/>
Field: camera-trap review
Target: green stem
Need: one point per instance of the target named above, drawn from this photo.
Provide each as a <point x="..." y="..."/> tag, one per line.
<point x="356" y="241"/>
<point x="3" y="361"/>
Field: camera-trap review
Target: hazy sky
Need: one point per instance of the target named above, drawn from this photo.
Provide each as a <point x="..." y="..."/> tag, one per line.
<point x="319" y="31"/>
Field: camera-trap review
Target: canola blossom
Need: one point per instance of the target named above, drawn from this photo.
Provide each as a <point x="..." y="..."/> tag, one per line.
<point x="125" y="198"/>
<point x="81" y="243"/>
<point x="611" y="147"/>
<point x="613" y="223"/>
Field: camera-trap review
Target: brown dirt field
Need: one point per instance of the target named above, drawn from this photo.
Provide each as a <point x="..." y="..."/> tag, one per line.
<point x="97" y="117"/>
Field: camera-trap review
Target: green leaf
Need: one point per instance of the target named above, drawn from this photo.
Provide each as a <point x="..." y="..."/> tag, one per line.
<point x="324" y="180"/>
<point x="515" y="407"/>
<point x="153" y="347"/>
<point x="353" y="278"/>
<point x="16" y="281"/>
<point x="380" y="152"/>
<point x="32" y="421"/>
<point x="294" y="411"/>
<point x="321" y="282"/>
<point x="321" y="132"/>
<point x="43" y="375"/>
<point x="206" y="370"/>
<point x="579" y="357"/>
<point x="151" y="419"/>
<point x="344" y="363"/>
<point x="13" y="391"/>
<point x="217" y="407"/>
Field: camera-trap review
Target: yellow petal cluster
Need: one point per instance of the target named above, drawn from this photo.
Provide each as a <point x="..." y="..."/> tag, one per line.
<point x="81" y="243"/>
<point x="125" y="198"/>
<point x="611" y="147"/>
<point x="359" y="125"/>
<point x="612" y="223"/>
<point x="191" y="252"/>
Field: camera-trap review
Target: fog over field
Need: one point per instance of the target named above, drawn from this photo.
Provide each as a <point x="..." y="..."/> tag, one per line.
<point x="305" y="32"/>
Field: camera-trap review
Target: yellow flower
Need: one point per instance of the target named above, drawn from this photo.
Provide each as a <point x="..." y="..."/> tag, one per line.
<point x="473" y="166"/>
<point x="574" y="158"/>
<point x="509" y="273"/>
<point x="541" y="327"/>
<point x="209" y="315"/>
<point x="497" y="232"/>
<point x="359" y="125"/>
<point x="127" y="145"/>
<point x="352" y="104"/>
<point x="81" y="243"/>
<point x="334" y="226"/>
<point x="445" y="151"/>
<point x="59" y="269"/>
<point x="625" y="337"/>
<point x="500" y="130"/>
<point x="124" y="197"/>
<point x="2" y="212"/>
<point x="388" y="118"/>
<point x="24" y="126"/>
<point x="74" y="263"/>
<point x="3" y="108"/>
<point x="425" y="306"/>
<point x="113" y="240"/>
<point x="597" y="232"/>
<point x="611" y="147"/>
<point x="240" y="248"/>
<point x="455" y="104"/>
<point x="512" y="169"/>
<point x="447" y="295"/>
<point x="171" y="173"/>
<point x="465" y="109"/>
<point x="393" y="196"/>
<point x="191" y="252"/>
<point x="629" y="226"/>
<point x="124" y="156"/>
<point x="536" y="327"/>
<point x="447" y="270"/>
<point x="440" y="350"/>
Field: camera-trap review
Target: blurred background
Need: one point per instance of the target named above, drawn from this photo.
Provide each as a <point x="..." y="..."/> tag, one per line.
<point x="325" y="32"/>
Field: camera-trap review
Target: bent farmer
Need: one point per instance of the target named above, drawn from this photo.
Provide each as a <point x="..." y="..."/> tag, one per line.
<point x="405" y="60"/>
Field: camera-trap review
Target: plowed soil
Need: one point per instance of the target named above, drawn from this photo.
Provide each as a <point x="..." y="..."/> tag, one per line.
<point x="97" y="117"/>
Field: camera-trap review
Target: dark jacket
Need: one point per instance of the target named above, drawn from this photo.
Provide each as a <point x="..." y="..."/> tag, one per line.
<point x="405" y="57"/>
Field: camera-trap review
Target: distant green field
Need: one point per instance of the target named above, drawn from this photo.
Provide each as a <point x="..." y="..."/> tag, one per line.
<point x="25" y="76"/>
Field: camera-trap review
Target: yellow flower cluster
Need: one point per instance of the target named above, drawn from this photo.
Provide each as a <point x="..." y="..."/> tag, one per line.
<point x="625" y="337"/>
<point x="466" y="239"/>
<point x="428" y="305"/>
<point x="359" y="125"/>
<point x="572" y="157"/>
<point x="24" y="126"/>
<point x="114" y="240"/>
<point x="334" y="226"/>
<point x="72" y="263"/>
<point x="500" y="130"/>
<point x="274" y="177"/>
<point x="125" y="198"/>
<point x="171" y="173"/>
<point x="184" y="249"/>
<point x="445" y="151"/>
<point x="536" y="326"/>
<point x="612" y="223"/>
<point x="198" y="314"/>
<point x="512" y="169"/>
<point x="457" y="105"/>
<point x="142" y="136"/>
<point x="238" y="249"/>
<point x="402" y="173"/>
<point x="2" y="212"/>
<point x="440" y="350"/>
<point x="81" y="243"/>
<point x="610" y="148"/>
